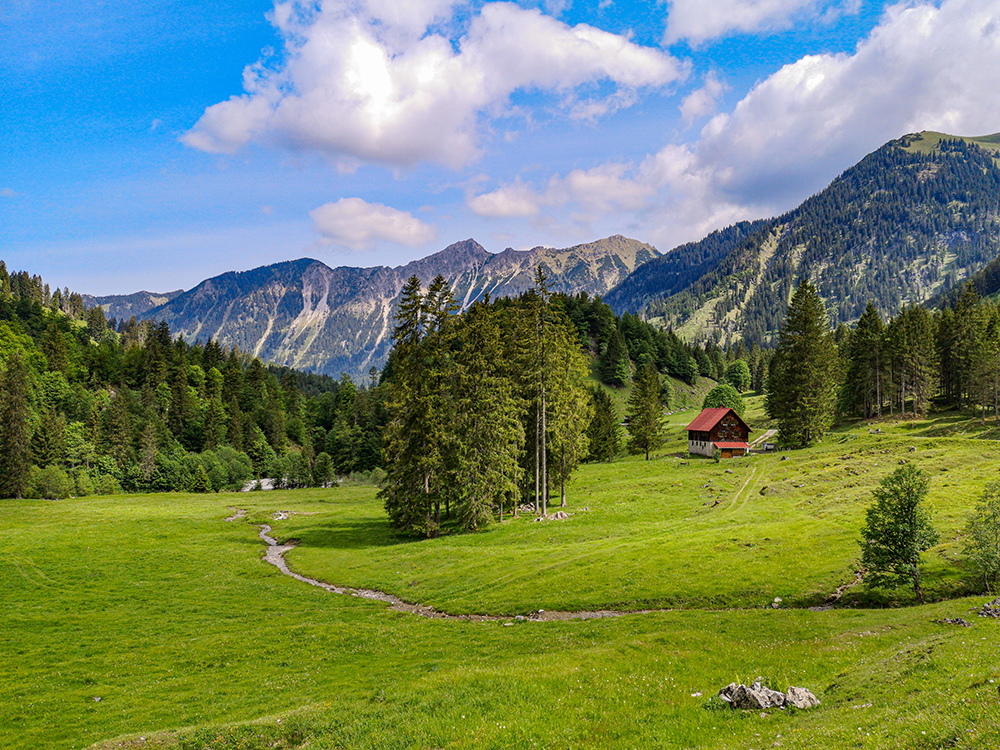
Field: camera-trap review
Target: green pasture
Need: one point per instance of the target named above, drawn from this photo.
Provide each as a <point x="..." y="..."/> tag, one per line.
<point x="165" y="612"/>
<point x="675" y="531"/>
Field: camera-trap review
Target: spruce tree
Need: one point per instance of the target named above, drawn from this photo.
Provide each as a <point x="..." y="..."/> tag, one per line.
<point x="15" y="435"/>
<point x="603" y="433"/>
<point x="490" y="433"/>
<point x="643" y="414"/>
<point x="801" y="388"/>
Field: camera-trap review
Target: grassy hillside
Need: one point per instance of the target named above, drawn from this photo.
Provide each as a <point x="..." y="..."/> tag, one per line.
<point x="165" y="612"/>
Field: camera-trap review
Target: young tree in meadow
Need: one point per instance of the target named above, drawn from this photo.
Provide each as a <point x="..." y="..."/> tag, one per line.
<point x="801" y="388"/>
<point x="982" y="536"/>
<point x="604" y="433"/>
<point x="724" y="396"/>
<point x="643" y="414"/>
<point x="897" y="530"/>
<point x="15" y="435"/>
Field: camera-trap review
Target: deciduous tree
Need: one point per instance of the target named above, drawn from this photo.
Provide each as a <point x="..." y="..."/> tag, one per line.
<point x="897" y="530"/>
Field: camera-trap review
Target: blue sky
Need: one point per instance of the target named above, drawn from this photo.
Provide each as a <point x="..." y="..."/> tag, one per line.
<point x="152" y="145"/>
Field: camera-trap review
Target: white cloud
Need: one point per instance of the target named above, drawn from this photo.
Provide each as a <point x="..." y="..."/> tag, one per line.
<point x="8" y="193"/>
<point x="375" y="80"/>
<point x="703" y="101"/>
<point x="922" y="68"/>
<point x="359" y="225"/>
<point x="698" y="21"/>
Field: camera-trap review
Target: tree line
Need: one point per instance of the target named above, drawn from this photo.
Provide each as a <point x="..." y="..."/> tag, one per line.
<point x="91" y="405"/>
<point x="948" y="358"/>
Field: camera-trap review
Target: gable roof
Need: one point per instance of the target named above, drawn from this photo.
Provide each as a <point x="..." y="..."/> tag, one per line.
<point x="708" y="418"/>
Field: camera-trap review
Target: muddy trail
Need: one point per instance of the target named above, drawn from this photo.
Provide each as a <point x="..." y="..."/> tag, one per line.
<point x="275" y="555"/>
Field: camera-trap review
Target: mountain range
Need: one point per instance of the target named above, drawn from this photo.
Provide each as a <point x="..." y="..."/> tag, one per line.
<point x="307" y="315"/>
<point x="903" y="226"/>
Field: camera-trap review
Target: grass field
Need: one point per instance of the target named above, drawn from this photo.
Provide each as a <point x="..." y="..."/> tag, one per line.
<point x="164" y="611"/>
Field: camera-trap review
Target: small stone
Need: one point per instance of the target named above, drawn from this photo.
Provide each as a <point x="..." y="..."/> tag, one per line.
<point x="96" y="699"/>
<point x="520" y="617"/>
<point x="800" y="698"/>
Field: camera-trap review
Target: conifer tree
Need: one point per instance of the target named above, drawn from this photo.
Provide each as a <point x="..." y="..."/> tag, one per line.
<point x="801" y="387"/>
<point x="15" y="436"/>
<point x="867" y="363"/>
<point x="643" y="414"/>
<point x="570" y="403"/>
<point x="490" y="433"/>
<point x="604" y="432"/>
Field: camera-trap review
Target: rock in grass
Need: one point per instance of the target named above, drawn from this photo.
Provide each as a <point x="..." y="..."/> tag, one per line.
<point x="800" y="698"/>
<point x="757" y="696"/>
<point x="991" y="609"/>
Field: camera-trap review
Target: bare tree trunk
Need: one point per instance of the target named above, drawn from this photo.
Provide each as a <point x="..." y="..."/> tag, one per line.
<point x="545" y="467"/>
<point x="916" y="586"/>
<point x="538" y="422"/>
<point x="562" y="479"/>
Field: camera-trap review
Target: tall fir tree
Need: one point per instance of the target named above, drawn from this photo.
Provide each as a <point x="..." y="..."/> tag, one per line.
<point x="801" y="389"/>
<point x="15" y="434"/>
<point x="643" y="414"/>
<point x="604" y="433"/>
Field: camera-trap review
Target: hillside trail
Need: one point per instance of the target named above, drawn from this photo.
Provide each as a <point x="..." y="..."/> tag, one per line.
<point x="275" y="555"/>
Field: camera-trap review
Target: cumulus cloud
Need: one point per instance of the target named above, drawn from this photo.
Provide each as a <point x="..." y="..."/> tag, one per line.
<point x="698" y="21"/>
<point x="359" y="225"/>
<point x="8" y="192"/>
<point x="923" y="68"/>
<point x="703" y="101"/>
<point x="376" y="80"/>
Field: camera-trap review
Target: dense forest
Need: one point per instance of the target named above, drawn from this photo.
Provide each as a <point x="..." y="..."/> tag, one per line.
<point x="92" y="405"/>
<point x="97" y="405"/>
<point x="915" y="361"/>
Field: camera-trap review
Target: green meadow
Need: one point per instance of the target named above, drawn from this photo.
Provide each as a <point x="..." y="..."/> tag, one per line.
<point x="150" y="621"/>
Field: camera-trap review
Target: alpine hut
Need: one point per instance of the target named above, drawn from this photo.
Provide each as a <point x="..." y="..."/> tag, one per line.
<point x="721" y="429"/>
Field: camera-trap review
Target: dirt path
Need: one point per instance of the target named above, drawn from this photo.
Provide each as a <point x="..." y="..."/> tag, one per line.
<point x="275" y="555"/>
<point x="835" y="596"/>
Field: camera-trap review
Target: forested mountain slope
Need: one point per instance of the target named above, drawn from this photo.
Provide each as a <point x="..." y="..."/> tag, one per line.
<point x="127" y="305"/>
<point x="307" y="315"/>
<point x="904" y="224"/>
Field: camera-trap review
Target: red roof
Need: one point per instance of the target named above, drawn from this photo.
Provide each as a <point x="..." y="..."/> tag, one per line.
<point x="727" y="446"/>
<point x="708" y="418"/>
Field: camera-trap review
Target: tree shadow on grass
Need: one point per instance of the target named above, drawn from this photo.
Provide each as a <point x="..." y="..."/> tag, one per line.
<point x="955" y="424"/>
<point x="358" y="534"/>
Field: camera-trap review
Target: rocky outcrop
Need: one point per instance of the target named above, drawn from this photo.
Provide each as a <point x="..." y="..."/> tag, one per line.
<point x="759" y="697"/>
<point x="991" y="609"/>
